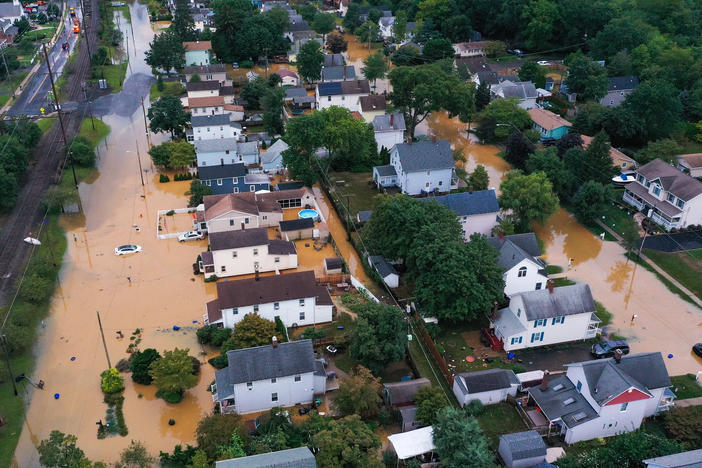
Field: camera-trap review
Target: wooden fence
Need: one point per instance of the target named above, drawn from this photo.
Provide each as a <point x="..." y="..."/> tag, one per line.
<point x="333" y="280"/>
<point x="438" y="358"/>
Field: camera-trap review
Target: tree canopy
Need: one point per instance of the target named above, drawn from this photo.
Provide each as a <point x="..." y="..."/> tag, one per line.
<point x="252" y="330"/>
<point x="309" y="61"/>
<point x="174" y="372"/>
<point x="359" y="394"/>
<point x="379" y="335"/>
<point x="530" y="197"/>
<point x="459" y="440"/>
<point x="166" y="52"/>
<point x="167" y="115"/>
<point x="347" y="442"/>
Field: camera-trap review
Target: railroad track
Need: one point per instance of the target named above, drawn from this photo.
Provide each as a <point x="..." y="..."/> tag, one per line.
<point x="46" y="169"/>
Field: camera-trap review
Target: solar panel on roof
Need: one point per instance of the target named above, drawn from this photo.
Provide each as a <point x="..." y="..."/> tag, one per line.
<point x="578" y="416"/>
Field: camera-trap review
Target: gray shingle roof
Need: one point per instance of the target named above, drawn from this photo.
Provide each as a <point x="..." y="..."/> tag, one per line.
<point x="689" y="459"/>
<point x="221" y="171"/>
<point x="673" y="180"/>
<point x="382" y="266"/>
<point x="400" y="393"/>
<point x="372" y="103"/>
<point x="527" y="444"/>
<point x="487" y="380"/>
<point x="10" y="9"/>
<point x="292" y="92"/>
<point x="267" y="362"/>
<point x="219" y="144"/>
<point x="333" y="60"/>
<point x="425" y="155"/>
<point x="202" y="86"/>
<point x="337" y="73"/>
<point x="295" y="224"/>
<point x="237" y="239"/>
<point x="384" y="123"/>
<point x="566" y="300"/>
<point x="619" y="83"/>
<point x="274" y="151"/>
<point x="552" y="402"/>
<point x="385" y="171"/>
<point x="300" y="457"/>
<point x="205" y="69"/>
<point x="515" y="248"/>
<point x="205" y="120"/>
<point x="364" y="216"/>
<point x="467" y="204"/>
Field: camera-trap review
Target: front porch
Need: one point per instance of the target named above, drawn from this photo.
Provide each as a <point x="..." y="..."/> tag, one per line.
<point x="653" y="212"/>
<point x="226" y="405"/>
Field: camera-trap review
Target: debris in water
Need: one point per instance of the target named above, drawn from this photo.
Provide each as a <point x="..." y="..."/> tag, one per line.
<point x="73" y="358"/>
<point x="56" y="396"/>
<point x="176" y="327"/>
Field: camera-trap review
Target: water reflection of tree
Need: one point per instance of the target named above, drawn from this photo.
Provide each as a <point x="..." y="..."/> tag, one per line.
<point x="619" y="274"/>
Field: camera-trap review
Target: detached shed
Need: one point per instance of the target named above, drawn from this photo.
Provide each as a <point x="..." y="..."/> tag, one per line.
<point x="297" y="228"/>
<point x="333" y="265"/>
<point x="489" y="386"/>
<point x="386" y="271"/>
<point x="522" y="449"/>
<point x="413" y="443"/>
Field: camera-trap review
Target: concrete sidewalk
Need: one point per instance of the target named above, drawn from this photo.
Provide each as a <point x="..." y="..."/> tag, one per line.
<point x="688" y="402"/>
<point x="658" y="269"/>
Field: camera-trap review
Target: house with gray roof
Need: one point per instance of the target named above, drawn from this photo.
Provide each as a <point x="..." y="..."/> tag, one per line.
<point x="604" y="397"/>
<point x="523" y="91"/>
<point x="220" y="151"/>
<point x="11" y="11"/>
<point x="478" y="212"/>
<point x="522" y="449"/>
<point x="389" y="130"/>
<point x="488" y="386"/>
<point x="264" y="377"/>
<point x="666" y="195"/>
<point x="386" y="271"/>
<point x="689" y="459"/>
<point x="418" y="168"/>
<point x="339" y="73"/>
<point x="272" y="158"/>
<point x="213" y="127"/>
<point x="546" y="316"/>
<point x="300" y="457"/>
<point x="518" y="256"/>
<point x="619" y="88"/>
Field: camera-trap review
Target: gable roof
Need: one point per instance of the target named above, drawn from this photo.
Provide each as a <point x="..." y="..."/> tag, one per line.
<point x="374" y="102"/>
<point x="519" y="90"/>
<point x="561" y="400"/>
<point x="222" y="171"/>
<point x="425" y="155"/>
<point x="300" y="457"/>
<point x="403" y="392"/>
<point x="474" y="64"/>
<point x="619" y="83"/>
<point x="692" y="160"/>
<point x="333" y="60"/>
<point x="205" y="120"/>
<point x="547" y="119"/>
<point x="295" y="92"/>
<point x="389" y="123"/>
<point x="486" y="381"/>
<point x="209" y="101"/>
<point x="565" y="300"/>
<point x="289" y="73"/>
<point x="9" y="9"/>
<point x="672" y="179"/>
<point x="489" y="77"/>
<point x="206" y="69"/>
<point x="515" y="248"/>
<point x="202" y="85"/>
<point x="335" y="88"/>
<point x="382" y="266"/>
<point x="527" y="444"/>
<point x="341" y="72"/>
<point x="216" y="144"/>
<point x="295" y="224"/>
<point x="468" y="204"/>
<point x="197" y="45"/>
<point x="237" y="239"/>
<point x="249" y="202"/>
<point x="614" y="153"/>
<point x="689" y="459"/>
<point x="274" y="151"/>
<point x="297" y="27"/>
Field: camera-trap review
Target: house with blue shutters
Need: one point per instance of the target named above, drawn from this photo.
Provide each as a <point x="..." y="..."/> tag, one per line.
<point x="545" y="317"/>
<point x="226" y="151"/>
<point x="232" y="178"/>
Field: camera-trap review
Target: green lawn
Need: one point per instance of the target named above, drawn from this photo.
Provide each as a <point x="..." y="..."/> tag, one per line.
<point x="14" y="81"/>
<point x="554" y="269"/>
<point x="355" y="185"/>
<point x="114" y="74"/>
<point x="94" y="136"/>
<point x="46" y="123"/>
<point x="41" y="34"/>
<point x="685" y="386"/>
<point x="558" y="282"/>
<point x="172" y="87"/>
<point x="603" y="314"/>
<point x="499" y="419"/>
<point x="125" y="11"/>
<point x="687" y="269"/>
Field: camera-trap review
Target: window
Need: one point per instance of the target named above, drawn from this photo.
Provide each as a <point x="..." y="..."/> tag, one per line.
<point x="226" y="151"/>
<point x="276" y="305"/>
<point x="235" y="311"/>
<point x="246" y="220"/>
<point x="252" y="188"/>
<point x="204" y="163"/>
<point x="298" y="378"/>
<point x="302" y="315"/>
<point x="428" y="172"/>
<point x="302" y="302"/>
<point x="256" y="265"/>
<point x="516" y="340"/>
<point x="640" y="178"/>
<point x="670" y="197"/>
<point x="235" y="180"/>
<point x="274" y="380"/>
<point x="274" y="397"/>
<point x="537" y="337"/>
<point x="277" y="260"/>
<point x="224" y="269"/>
<point x="231" y="222"/>
<point x="219" y="181"/>
<point x="208" y="129"/>
<point x="519" y="312"/>
<point x="236" y="189"/>
<point x="255" y="252"/>
<point x="623" y="407"/>
<point x="265" y="217"/>
<point x="249" y="385"/>
<point x="234" y="254"/>
<point x="522" y="272"/>
<point x="540" y="322"/>
<point x="556" y="320"/>
<point x="329" y="98"/>
<point x="680" y="203"/>
<point x="427" y="184"/>
<point x="208" y="183"/>
<point x="255" y="308"/>
<point x="441" y="182"/>
<point x="656" y="190"/>
<point x="538" y="286"/>
<point x="579" y="386"/>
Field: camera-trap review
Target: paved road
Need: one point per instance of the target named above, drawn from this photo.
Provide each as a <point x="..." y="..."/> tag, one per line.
<point x="35" y="94"/>
<point x="676" y="242"/>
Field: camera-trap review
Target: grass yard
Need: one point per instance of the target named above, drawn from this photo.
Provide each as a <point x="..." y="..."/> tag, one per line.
<point x="499" y="419"/>
<point x="553" y="269"/>
<point x="685" y="386"/>
<point x="603" y="314"/>
<point x="361" y="195"/>
<point x="114" y="74"/>
<point x="558" y="282"/>
<point x="94" y="136"/>
<point x="174" y="88"/>
<point x="685" y="268"/>
<point x="41" y="34"/>
<point x="46" y="123"/>
<point x="11" y="85"/>
<point x="671" y="287"/>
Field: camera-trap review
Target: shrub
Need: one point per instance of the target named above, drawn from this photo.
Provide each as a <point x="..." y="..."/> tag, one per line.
<point x="213" y="335"/>
<point x="246" y="64"/>
<point x="123" y="364"/>
<point x="111" y="381"/>
<point x="164" y="178"/>
<point x="475" y="408"/>
<point x="170" y="213"/>
<point x="140" y="364"/>
<point x="282" y="331"/>
<point x="35" y="289"/>
<point x="433" y="329"/>
<point x="518" y="368"/>
<point x="685" y="425"/>
<point x="211" y="279"/>
<point x="170" y="397"/>
<point x="219" y="362"/>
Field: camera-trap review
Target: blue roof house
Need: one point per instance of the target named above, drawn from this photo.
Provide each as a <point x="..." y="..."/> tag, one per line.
<point x="477" y="211"/>
<point x="232" y="178"/>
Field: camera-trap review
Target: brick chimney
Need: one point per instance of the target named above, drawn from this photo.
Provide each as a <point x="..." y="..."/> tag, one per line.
<point x="549" y="285"/>
<point x="501" y="234"/>
<point x="274" y="342"/>
<point x="618" y="355"/>
<point x="544" y="382"/>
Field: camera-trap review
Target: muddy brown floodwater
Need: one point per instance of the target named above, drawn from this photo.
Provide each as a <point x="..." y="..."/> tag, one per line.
<point x="664" y="321"/>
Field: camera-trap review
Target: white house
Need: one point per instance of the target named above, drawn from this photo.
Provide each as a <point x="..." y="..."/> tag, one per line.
<point x="522" y="449"/>
<point x="11" y="11"/>
<point x="547" y="316"/>
<point x="373" y="106"/>
<point x="288" y="77"/>
<point x="197" y="53"/>
<point x="300" y="457"/>
<point x="605" y="397"/>
<point x="385" y="24"/>
<point x="272" y="158"/>
<point x="225" y="151"/>
<point x="420" y="167"/>
<point x="477" y="211"/>
<point x="214" y="72"/>
<point x="666" y="195"/>
<point x="295" y="298"/>
<point x="523" y="91"/>
<point x="386" y="271"/>
<point x="470" y="49"/>
<point x="212" y="127"/>
<point x="389" y="130"/>
<point x="341" y="93"/>
<point x="235" y="211"/>
<point x="488" y="386"/>
<point x="246" y="251"/>
<point x="519" y="258"/>
<point x="211" y="105"/>
<point x="619" y="88"/>
<point x="264" y="377"/>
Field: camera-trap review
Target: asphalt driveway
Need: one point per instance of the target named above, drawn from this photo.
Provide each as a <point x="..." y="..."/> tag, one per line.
<point x="553" y="358"/>
<point x="677" y="242"/>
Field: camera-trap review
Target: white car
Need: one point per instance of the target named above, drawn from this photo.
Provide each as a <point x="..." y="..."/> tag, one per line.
<point x="543" y="63"/>
<point x="191" y="235"/>
<point x="127" y="249"/>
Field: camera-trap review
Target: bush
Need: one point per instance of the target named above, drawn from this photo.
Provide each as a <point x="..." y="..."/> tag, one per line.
<point x="246" y="64"/>
<point x="433" y="329"/>
<point x="36" y="289"/>
<point x="111" y="381"/>
<point x="475" y="408"/>
<point x="211" y="279"/>
<point x="282" y="331"/>
<point x="170" y="397"/>
<point x="123" y="364"/>
<point x="219" y="362"/>
<point x="18" y="338"/>
<point x="170" y="213"/>
<point x="141" y="361"/>
<point x="685" y="425"/>
<point x="213" y="335"/>
<point x="164" y="178"/>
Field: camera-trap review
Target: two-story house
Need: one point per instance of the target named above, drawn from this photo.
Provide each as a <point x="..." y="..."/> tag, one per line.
<point x="226" y="151"/>
<point x="200" y="89"/>
<point x="666" y="195"/>
<point x="389" y="130"/>
<point x="419" y="167"/>
<point x="246" y="251"/>
<point x="272" y="158"/>
<point x="619" y="159"/>
<point x="548" y="124"/>
<point x="212" y="127"/>
<point x="547" y="316"/>
<point x="232" y="178"/>
<point x="523" y="91"/>
<point x="264" y="377"/>
<point x="619" y="88"/>
<point x="605" y="397"/>
<point x="212" y="105"/>
<point x="373" y="106"/>
<point x="248" y="210"/>
<point x="477" y="211"/>
<point x="470" y="49"/>
<point x="197" y="53"/>
<point x="295" y="298"/>
<point x="519" y="258"/>
<point x="213" y="72"/>
<point x="341" y="93"/>
<point x="338" y="73"/>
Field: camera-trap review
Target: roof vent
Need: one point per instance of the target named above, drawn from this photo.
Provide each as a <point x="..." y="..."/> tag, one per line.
<point x="558" y="387"/>
<point x="579" y="416"/>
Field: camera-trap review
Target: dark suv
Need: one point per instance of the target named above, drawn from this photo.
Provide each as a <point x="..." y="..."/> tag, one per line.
<point x="606" y="349"/>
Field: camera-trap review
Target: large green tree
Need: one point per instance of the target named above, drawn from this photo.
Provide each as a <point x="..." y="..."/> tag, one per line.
<point x="429" y="401"/>
<point x="499" y="119"/>
<point x="347" y="442"/>
<point x="437" y="49"/>
<point x="418" y="91"/>
<point x="586" y="77"/>
<point x="479" y="178"/>
<point x="260" y="36"/>
<point x="593" y="163"/>
<point x="229" y="17"/>
<point x="215" y="430"/>
<point x="589" y="200"/>
<point x="252" y="330"/>
<point x="324" y="23"/>
<point x="541" y="18"/>
<point x="61" y="451"/>
<point x="518" y="149"/>
<point x="530" y="197"/>
<point x="310" y="61"/>
<point x="174" y="372"/>
<point x="183" y="24"/>
<point x="460" y="442"/>
<point x="657" y="106"/>
<point x="547" y="161"/>
<point x="399" y="27"/>
<point x="368" y="32"/>
<point x="379" y="335"/>
<point x="166" y="52"/>
<point x="136" y="455"/>
<point x="273" y="111"/>
<point x="532" y="71"/>
<point x="140" y="364"/>
<point x="358" y="394"/>
<point x="167" y="115"/>
<point x="375" y="66"/>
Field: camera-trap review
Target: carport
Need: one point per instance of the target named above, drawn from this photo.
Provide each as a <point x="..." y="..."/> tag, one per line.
<point x="413" y="443"/>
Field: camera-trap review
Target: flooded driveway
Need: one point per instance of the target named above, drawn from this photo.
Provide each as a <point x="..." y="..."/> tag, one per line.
<point x="664" y="321"/>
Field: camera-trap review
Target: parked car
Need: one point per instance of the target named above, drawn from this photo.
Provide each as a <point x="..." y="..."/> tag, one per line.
<point x="543" y="63"/>
<point x="547" y="141"/>
<point x="191" y="235"/>
<point x="331" y="350"/>
<point x="235" y="65"/>
<point x="127" y="249"/>
<point x="607" y="348"/>
<point x="516" y="52"/>
<point x="697" y="349"/>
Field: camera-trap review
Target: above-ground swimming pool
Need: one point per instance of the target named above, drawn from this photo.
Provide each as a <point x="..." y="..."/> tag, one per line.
<point x="307" y="214"/>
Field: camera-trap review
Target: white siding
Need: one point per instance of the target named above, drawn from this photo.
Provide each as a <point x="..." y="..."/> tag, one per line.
<point x="208" y="110"/>
<point x="230" y="156"/>
<point x="348" y="101"/>
<point x="245" y="261"/>
<point x="215" y="132"/>
<point x="486" y="398"/>
<point x="288" y="311"/>
<point x="573" y="328"/>
<point x="515" y="284"/>
<point x="203" y="93"/>
<point x="611" y="422"/>
<point x="389" y="139"/>
<point x="414" y="183"/>
<point x="258" y="397"/>
<point x="481" y="224"/>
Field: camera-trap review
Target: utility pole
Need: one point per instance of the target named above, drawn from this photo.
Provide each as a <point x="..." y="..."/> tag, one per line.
<point x="146" y="126"/>
<point x="85" y="32"/>
<point x="104" y="343"/>
<point x="2" y="50"/>
<point x="3" y="340"/>
<point x="141" y="171"/>
<point x="58" y="110"/>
